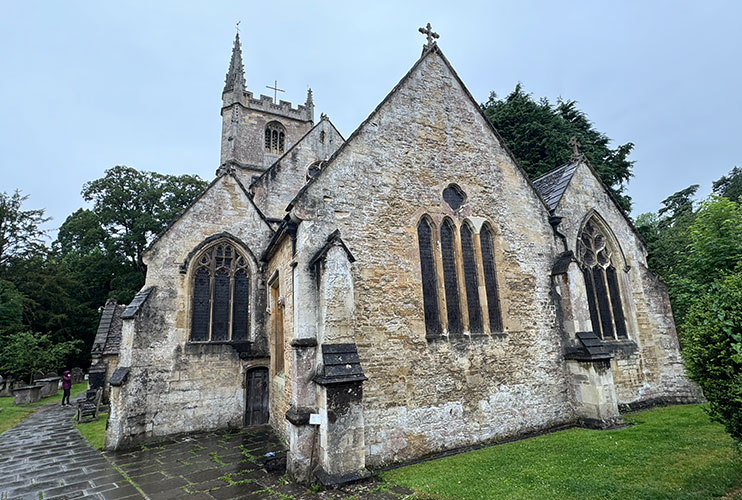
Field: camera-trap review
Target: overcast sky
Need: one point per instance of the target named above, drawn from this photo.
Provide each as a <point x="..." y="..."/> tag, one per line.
<point x="89" y="85"/>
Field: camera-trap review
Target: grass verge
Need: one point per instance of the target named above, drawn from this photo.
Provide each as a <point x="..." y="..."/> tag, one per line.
<point x="95" y="431"/>
<point x="11" y="415"/>
<point x="666" y="453"/>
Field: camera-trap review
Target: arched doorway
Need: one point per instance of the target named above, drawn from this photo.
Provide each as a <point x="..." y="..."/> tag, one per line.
<point x="256" y="401"/>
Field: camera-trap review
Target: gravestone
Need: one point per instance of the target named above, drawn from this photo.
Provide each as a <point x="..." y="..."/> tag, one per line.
<point x="52" y="374"/>
<point x="50" y="386"/>
<point x="37" y="376"/>
<point x="26" y="394"/>
<point x="78" y="376"/>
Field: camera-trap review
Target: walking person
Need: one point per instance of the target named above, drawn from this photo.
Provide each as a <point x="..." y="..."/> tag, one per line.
<point x="66" y="386"/>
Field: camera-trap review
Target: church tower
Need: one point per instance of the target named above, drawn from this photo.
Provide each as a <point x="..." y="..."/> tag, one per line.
<point x="256" y="132"/>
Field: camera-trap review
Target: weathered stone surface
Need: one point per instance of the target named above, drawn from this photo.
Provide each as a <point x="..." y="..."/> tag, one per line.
<point x="426" y="152"/>
<point x="428" y="397"/>
<point x="27" y="394"/>
<point x="175" y="385"/>
<point x="653" y="369"/>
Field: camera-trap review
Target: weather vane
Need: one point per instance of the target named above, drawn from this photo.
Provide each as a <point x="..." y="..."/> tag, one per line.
<point x="238" y="26"/>
<point x="430" y="34"/>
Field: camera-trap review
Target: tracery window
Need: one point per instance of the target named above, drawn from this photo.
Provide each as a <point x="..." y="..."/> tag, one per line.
<point x="430" y="283"/>
<point x="456" y="255"/>
<point x="450" y="277"/>
<point x="275" y="138"/>
<point x="486" y="238"/>
<point x="596" y="257"/>
<point x="221" y="295"/>
<point x="471" y="280"/>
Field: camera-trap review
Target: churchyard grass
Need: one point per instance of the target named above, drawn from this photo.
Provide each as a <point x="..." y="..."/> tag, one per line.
<point x="94" y="431"/>
<point x="11" y="415"/>
<point x="664" y="453"/>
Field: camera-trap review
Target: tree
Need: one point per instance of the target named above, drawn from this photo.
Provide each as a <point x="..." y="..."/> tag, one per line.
<point x="20" y="232"/>
<point x="666" y="233"/>
<point x="715" y="247"/>
<point x="11" y="307"/>
<point x="133" y="206"/>
<point x="730" y="186"/>
<point x="712" y="336"/>
<point x="104" y="246"/>
<point x="537" y="133"/>
<point x="24" y="353"/>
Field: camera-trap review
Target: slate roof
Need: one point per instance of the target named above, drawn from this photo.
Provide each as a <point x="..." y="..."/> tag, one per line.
<point x="340" y="364"/>
<point x="133" y="308"/>
<point x="108" y="337"/>
<point x="551" y="186"/>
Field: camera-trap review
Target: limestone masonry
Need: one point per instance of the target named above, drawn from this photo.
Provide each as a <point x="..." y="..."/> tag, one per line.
<point x="395" y="294"/>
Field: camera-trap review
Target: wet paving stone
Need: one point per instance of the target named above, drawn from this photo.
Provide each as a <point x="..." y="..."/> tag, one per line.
<point x="45" y="455"/>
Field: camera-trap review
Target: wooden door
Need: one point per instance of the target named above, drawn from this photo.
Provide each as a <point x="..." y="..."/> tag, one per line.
<point x="256" y="407"/>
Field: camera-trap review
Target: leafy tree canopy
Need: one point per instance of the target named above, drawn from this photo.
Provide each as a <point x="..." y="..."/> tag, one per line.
<point x="24" y="353"/>
<point x="20" y="232"/>
<point x="730" y="185"/>
<point x="712" y="336"/>
<point x="11" y="307"/>
<point x="537" y="132"/>
<point x="133" y="206"/>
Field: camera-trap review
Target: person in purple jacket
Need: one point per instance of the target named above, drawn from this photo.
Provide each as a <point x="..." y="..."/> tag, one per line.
<point x="66" y="386"/>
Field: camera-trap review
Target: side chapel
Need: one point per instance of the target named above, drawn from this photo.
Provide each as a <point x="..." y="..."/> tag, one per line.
<point x="402" y="292"/>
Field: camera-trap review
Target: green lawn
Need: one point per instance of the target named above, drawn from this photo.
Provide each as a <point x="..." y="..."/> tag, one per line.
<point x="666" y="453"/>
<point x="94" y="431"/>
<point x="11" y="415"/>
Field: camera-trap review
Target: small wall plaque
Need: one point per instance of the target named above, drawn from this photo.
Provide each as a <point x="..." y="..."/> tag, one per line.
<point x="314" y="419"/>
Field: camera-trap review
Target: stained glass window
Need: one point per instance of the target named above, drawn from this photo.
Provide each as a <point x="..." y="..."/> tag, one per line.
<point x="221" y="295"/>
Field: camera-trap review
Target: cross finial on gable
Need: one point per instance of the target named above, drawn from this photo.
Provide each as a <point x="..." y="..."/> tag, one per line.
<point x="575" y="147"/>
<point x="430" y="34"/>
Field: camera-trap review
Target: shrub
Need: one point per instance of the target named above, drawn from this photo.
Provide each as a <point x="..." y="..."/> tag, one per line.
<point x="712" y="336"/>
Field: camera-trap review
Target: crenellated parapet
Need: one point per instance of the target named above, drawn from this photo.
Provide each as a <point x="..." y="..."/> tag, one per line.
<point x="265" y="104"/>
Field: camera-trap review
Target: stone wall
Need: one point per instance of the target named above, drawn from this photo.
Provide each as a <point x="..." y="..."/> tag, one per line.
<point x="649" y="366"/>
<point x="174" y="385"/>
<point x="279" y="274"/>
<point x="423" y="397"/>
<point x="275" y="188"/>
<point x="243" y="130"/>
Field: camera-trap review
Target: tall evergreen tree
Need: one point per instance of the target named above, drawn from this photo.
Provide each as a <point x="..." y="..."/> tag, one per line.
<point x="537" y="133"/>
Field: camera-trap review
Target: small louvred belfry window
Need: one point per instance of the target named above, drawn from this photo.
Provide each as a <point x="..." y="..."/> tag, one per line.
<point x="601" y="283"/>
<point x="221" y="295"/>
<point x="275" y="138"/>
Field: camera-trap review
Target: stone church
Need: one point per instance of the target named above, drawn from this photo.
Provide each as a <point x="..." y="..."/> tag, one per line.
<point x="394" y="294"/>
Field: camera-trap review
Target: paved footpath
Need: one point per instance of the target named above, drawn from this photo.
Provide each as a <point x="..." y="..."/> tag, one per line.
<point x="44" y="457"/>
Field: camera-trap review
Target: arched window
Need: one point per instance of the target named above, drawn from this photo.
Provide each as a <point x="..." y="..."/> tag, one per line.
<point x="275" y="138"/>
<point x="221" y="295"/>
<point x="471" y="281"/>
<point x="430" y="285"/>
<point x="450" y="277"/>
<point x="601" y="283"/>
<point x="486" y="239"/>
